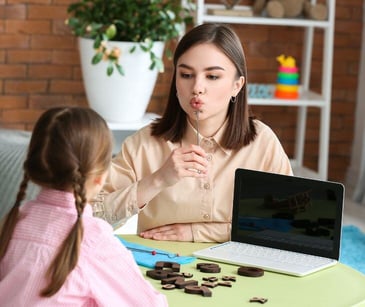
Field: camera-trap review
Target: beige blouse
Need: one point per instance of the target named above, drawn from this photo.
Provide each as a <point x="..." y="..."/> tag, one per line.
<point x="206" y="203"/>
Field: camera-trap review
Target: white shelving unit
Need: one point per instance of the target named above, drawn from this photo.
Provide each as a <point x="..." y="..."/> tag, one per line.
<point x="307" y="98"/>
<point x="133" y="126"/>
<point x="122" y="130"/>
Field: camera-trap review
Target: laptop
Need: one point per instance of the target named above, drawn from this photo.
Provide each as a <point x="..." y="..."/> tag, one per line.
<point x="284" y="224"/>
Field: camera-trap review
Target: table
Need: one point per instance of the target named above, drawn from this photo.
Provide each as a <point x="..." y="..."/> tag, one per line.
<point x="336" y="286"/>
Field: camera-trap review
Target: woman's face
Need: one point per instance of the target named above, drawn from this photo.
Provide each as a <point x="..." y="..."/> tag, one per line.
<point x="206" y="79"/>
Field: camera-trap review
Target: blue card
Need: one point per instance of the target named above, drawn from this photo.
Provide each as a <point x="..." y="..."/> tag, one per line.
<point x="148" y="256"/>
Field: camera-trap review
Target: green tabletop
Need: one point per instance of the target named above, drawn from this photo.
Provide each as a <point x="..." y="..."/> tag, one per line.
<point x="336" y="286"/>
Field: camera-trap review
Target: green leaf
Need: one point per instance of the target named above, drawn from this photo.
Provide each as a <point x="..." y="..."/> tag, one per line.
<point x="110" y="69"/>
<point x="73" y="22"/>
<point x="97" y="42"/>
<point x="120" y="69"/>
<point x="143" y="22"/>
<point x="169" y="54"/>
<point x="144" y="48"/>
<point x="111" y="31"/>
<point x="97" y="58"/>
<point x="159" y="65"/>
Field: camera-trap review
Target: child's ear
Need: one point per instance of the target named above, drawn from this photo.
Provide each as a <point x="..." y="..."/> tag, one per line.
<point x="98" y="180"/>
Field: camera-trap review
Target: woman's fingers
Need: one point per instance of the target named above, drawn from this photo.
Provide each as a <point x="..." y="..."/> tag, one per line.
<point x="184" y="162"/>
<point x="172" y="232"/>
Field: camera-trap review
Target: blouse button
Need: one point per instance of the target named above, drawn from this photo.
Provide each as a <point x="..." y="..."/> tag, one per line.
<point x="206" y="216"/>
<point x="208" y="143"/>
<point x="206" y="186"/>
<point x="209" y="157"/>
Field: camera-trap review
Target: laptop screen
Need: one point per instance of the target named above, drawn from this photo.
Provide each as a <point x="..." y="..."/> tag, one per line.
<point x="287" y="212"/>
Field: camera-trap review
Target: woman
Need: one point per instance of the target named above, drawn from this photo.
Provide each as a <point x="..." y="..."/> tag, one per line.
<point x="178" y="172"/>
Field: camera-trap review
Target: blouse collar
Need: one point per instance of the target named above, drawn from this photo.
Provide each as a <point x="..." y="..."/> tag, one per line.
<point x="190" y="137"/>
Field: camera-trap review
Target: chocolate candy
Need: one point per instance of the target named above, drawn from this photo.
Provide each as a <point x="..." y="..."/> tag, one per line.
<point x="229" y="278"/>
<point x="181" y="283"/>
<point x="168" y="287"/>
<point x="225" y="283"/>
<point x="250" y="271"/>
<point x="210" y="284"/>
<point x="208" y="267"/>
<point x="171" y="280"/>
<point x="174" y="266"/>
<point x="258" y="300"/>
<point x="161" y="274"/>
<point x="204" y="291"/>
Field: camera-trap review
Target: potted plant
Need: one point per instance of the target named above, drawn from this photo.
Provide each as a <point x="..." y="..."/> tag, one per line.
<point x="115" y="36"/>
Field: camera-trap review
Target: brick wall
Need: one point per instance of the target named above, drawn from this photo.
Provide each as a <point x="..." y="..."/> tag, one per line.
<point x="39" y="68"/>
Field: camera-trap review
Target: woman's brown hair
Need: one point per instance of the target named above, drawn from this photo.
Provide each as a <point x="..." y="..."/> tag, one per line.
<point x="240" y="130"/>
<point x="66" y="147"/>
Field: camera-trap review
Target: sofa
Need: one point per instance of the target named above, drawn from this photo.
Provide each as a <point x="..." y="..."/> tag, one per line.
<point x="13" y="149"/>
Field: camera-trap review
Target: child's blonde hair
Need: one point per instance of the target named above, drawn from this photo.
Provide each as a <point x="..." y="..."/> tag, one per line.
<point x="68" y="144"/>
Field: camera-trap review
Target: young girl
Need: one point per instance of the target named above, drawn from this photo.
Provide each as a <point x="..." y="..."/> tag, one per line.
<point x="52" y="250"/>
<point x="178" y="172"/>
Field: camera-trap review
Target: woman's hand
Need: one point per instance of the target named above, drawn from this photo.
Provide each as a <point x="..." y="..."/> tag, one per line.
<point x="172" y="232"/>
<point x="183" y="162"/>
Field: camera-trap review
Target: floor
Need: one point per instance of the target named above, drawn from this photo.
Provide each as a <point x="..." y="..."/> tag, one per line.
<point x="354" y="214"/>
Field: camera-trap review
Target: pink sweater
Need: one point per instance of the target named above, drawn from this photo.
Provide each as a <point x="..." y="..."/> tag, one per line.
<point x="106" y="274"/>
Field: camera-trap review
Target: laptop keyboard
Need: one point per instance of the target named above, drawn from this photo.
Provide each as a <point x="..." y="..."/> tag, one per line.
<point x="234" y="250"/>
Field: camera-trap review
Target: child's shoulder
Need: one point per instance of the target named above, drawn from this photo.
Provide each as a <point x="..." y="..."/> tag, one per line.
<point x="98" y="234"/>
<point x="101" y="251"/>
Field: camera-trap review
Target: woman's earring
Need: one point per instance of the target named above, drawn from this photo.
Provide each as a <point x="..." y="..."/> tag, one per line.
<point x="233" y="99"/>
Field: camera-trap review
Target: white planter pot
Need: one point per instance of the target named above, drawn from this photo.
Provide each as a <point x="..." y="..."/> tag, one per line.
<point x="119" y="99"/>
